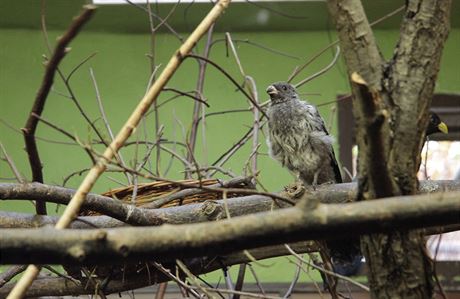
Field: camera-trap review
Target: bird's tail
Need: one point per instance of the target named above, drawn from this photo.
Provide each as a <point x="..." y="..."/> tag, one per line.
<point x="346" y="256"/>
<point x="348" y="267"/>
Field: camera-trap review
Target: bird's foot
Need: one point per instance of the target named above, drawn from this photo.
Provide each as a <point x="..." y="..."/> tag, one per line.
<point x="295" y="190"/>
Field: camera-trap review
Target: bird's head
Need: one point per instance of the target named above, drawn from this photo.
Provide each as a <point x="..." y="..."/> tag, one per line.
<point x="436" y="125"/>
<point x="281" y="92"/>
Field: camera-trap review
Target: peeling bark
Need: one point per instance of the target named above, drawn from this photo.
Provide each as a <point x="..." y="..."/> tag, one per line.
<point x="399" y="92"/>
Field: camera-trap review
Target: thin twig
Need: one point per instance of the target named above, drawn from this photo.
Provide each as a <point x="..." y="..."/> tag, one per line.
<point x="247" y="41"/>
<point x="197" y="108"/>
<point x="105" y="120"/>
<point x="13" y="167"/>
<point x="39" y="103"/>
<point x="240" y="280"/>
<point x="67" y="134"/>
<point x="298" y="69"/>
<point x="11" y="272"/>
<point x="300" y="258"/>
<point x="80" y="64"/>
<point x="176" y="279"/>
<point x="193" y="279"/>
<point x="293" y="282"/>
<point x="245" y="294"/>
<point x="77" y="200"/>
<point x="226" y="74"/>
<point x="256" y="278"/>
<point x="322" y="71"/>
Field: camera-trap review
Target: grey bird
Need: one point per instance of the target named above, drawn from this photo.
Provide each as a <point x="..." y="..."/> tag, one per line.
<point x="298" y="138"/>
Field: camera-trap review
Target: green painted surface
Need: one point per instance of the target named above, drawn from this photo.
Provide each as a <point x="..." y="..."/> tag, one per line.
<point x="281" y="15"/>
<point x="122" y="71"/>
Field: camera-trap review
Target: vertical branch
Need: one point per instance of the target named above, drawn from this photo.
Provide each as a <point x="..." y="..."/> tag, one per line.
<point x="389" y="151"/>
<point x="77" y="200"/>
<point x="39" y="104"/>
<point x="13" y="167"/>
<point x="153" y="71"/>
<point x="413" y="71"/>
<point x="363" y="57"/>
<point x="198" y="106"/>
<point x="106" y="121"/>
<point x="374" y="118"/>
<point x="251" y="86"/>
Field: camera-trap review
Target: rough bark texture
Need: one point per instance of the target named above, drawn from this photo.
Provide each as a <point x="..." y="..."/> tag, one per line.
<point x="169" y="242"/>
<point x="63" y="287"/>
<point x="391" y="110"/>
<point x="121" y="213"/>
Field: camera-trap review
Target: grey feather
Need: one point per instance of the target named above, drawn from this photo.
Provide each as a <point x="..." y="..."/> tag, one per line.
<point x="298" y="138"/>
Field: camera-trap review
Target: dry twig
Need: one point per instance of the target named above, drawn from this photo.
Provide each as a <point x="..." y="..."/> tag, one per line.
<point x="79" y="197"/>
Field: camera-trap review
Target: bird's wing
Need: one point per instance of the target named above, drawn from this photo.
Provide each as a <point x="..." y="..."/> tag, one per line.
<point x="334" y="164"/>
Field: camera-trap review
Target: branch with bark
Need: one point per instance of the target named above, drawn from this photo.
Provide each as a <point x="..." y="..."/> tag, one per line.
<point x="206" y="211"/>
<point x="391" y="106"/>
<point x="64" y="287"/>
<point x="77" y="200"/>
<point x="46" y="245"/>
<point x="39" y="104"/>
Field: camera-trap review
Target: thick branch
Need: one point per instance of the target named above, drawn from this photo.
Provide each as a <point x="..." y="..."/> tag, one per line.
<point x="374" y="119"/>
<point x="412" y="76"/>
<point x="125" y="132"/>
<point x="63" y="287"/>
<point x="192" y="213"/>
<point x="40" y="99"/>
<point x="359" y="47"/>
<point x="23" y="220"/>
<point x="267" y="228"/>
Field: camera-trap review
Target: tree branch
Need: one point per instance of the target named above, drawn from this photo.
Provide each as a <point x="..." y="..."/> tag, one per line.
<point x="51" y="66"/>
<point x="374" y="119"/>
<point x="201" y="212"/>
<point x="298" y="223"/>
<point x="63" y="287"/>
<point x="413" y="71"/>
<point x="73" y="208"/>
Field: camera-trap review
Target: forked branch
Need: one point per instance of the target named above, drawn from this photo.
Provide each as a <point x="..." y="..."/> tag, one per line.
<point x="74" y="206"/>
<point x="39" y="104"/>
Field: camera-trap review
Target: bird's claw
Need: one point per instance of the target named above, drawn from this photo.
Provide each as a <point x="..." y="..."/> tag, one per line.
<point x="295" y="190"/>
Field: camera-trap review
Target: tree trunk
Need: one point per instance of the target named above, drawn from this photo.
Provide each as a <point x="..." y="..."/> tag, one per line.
<point x="391" y="104"/>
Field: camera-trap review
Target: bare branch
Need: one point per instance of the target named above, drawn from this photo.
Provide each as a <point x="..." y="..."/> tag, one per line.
<point x="10" y="273"/>
<point x="199" y="239"/>
<point x="13" y="167"/>
<point x="197" y="108"/>
<point x="158" y="273"/>
<point x="126" y="131"/>
<point x="40" y="99"/>
<point x="322" y="71"/>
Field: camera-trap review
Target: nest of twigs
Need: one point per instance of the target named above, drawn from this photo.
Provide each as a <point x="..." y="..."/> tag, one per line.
<point x="162" y="194"/>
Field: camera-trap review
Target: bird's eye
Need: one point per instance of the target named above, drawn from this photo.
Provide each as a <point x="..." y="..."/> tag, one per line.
<point x="284" y="87"/>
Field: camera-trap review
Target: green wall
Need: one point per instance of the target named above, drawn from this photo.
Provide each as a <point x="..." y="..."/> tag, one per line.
<point x="122" y="71"/>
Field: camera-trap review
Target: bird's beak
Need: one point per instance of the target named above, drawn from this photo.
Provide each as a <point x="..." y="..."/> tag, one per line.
<point x="442" y="127"/>
<point x="271" y="90"/>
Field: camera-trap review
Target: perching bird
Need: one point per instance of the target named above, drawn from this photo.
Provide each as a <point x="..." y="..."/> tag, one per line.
<point x="299" y="140"/>
<point x="435" y="125"/>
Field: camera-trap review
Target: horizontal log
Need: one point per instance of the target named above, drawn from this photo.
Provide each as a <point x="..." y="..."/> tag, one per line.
<point x="192" y="213"/>
<point x="63" y="287"/>
<point x="305" y="221"/>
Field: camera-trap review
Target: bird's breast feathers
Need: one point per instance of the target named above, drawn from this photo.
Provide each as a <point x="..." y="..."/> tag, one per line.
<point x="296" y="136"/>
